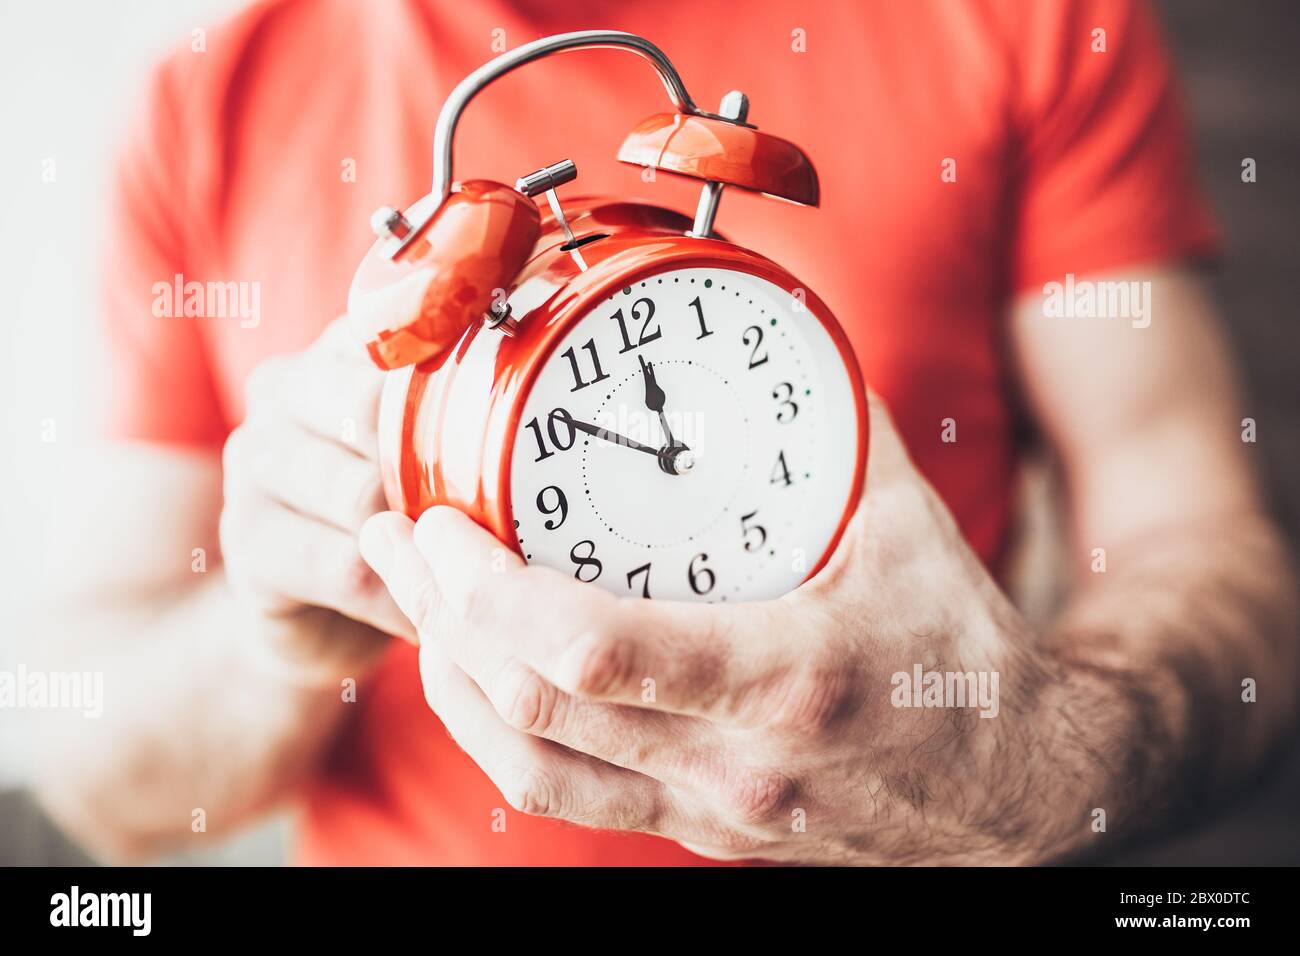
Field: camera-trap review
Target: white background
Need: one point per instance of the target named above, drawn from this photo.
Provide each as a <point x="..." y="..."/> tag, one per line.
<point x="70" y="76"/>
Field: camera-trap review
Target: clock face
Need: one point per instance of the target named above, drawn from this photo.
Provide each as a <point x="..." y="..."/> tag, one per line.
<point x="693" y="437"/>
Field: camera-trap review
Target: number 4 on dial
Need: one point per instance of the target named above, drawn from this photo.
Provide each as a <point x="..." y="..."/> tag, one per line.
<point x="781" y="472"/>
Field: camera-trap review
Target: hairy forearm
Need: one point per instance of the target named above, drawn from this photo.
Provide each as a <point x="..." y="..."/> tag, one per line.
<point x="1156" y="657"/>
<point x="198" y="714"/>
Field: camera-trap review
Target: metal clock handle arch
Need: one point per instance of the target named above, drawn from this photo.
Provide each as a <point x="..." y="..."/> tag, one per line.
<point x="445" y="131"/>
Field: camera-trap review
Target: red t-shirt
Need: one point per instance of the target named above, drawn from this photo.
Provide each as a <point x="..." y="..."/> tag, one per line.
<point x="261" y="159"/>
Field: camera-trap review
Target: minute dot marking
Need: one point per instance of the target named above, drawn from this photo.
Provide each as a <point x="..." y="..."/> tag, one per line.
<point x="794" y="354"/>
<point x="637" y="544"/>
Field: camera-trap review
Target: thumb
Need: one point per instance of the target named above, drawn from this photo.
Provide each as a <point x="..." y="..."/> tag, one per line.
<point x="402" y="323"/>
<point x="890" y="473"/>
<point x="888" y="459"/>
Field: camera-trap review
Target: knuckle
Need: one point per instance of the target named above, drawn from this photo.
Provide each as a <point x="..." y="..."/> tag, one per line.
<point x="533" y="791"/>
<point x="357" y="492"/>
<point x="351" y="578"/>
<point x="424" y="607"/>
<point x="529" y="703"/>
<point x="643" y="812"/>
<point x="370" y="499"/>
<point x="755" y="797"/>
<point x="651" y="814"/>
<point x="810" y="702"/>
<point x="475" y="606"/>
<point x="602" y="665"/>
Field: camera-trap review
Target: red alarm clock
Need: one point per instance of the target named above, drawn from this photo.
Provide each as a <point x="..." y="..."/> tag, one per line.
<point x="607" y="386"/>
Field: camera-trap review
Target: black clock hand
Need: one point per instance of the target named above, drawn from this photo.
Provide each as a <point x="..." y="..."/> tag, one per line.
<point x="674" y="459"/>
<point x="604" y="434"/>
<point x="655" y="398"/>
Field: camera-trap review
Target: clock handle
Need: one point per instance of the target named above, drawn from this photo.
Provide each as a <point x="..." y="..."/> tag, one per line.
<point x="445" y="131"/>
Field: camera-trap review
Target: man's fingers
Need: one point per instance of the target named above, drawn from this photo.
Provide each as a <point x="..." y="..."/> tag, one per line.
<point x="452" y="604"/>
<point x="387" y="545"/>
<point x="739" y="665"/>
<point x="294" y="559"/>
<point x="310" y="474"/>
<point x="684" y="752"/>
<point x="678" y="750"/>
<point x="536" y="776"/>
<point x="338" y="400"/>
<point x="466" y="559"/>
<point x="331" y="389"/>
<point x="339" y="338"/>
<point x="743" y="665"/>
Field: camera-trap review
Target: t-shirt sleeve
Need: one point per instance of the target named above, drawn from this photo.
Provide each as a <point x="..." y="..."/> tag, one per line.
<point x="159" y="383"/>
<point x="1106" y="177"/>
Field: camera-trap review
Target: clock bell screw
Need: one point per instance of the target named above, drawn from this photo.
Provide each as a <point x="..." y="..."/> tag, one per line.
<point x="545" y="180"/>
<point x="390" y="223"/>
<point x="498" y="317"/>
<point x="734" y="107"/>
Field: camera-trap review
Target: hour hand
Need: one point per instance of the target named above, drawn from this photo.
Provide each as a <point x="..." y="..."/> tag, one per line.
<point x="654" y="395"/>
<point x="655" y="398"/>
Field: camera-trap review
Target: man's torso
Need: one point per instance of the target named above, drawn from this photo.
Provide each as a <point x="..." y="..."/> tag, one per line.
<point x="326" y="112"/>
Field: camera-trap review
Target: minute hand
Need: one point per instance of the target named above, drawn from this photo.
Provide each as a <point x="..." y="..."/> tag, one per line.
<point x="604" y="434"/>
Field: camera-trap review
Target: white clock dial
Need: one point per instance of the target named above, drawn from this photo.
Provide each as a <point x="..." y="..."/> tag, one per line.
<point x="735" y="491"/>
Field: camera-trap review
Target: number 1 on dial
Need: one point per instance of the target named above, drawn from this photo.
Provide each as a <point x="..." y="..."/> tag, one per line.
<point x="699" y="312"/>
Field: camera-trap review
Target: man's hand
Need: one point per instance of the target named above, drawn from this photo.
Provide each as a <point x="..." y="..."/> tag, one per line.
<point x="226" y="683"/>
<point x="301" y="476"/>
<point x="768" y="730"/>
